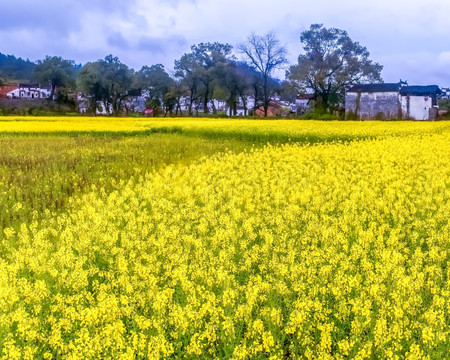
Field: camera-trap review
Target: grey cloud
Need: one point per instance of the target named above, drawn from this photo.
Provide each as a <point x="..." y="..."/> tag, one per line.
<point x="46" y="17"/>
<point x="161" y="45"/>
<point x="175" y="3"/>
<point x="57" y="17"/>
<point x="138" y="30"/>
<point x="117" y="40"/>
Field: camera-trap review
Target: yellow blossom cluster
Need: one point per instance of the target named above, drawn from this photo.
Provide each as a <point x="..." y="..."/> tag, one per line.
<point x="338" y="250"/>
<point x="255" y="130"/>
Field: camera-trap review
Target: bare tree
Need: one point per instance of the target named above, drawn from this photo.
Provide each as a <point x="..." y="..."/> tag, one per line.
<point x="266" y="54"/>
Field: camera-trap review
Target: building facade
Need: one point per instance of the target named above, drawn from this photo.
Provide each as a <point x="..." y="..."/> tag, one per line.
<point x="303" y="103"/>
<point x="29" y="91"/>
<point x="445" y="93"/>
<point x="391" y="101"/>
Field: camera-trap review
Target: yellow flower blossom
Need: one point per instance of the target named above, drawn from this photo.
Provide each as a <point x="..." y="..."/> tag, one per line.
<point x="332" y="250"/>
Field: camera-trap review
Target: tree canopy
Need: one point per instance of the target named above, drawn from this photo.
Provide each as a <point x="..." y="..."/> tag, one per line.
<point x="332" y="61"/>
<point x="106" y="80"/>
<point x="157" y="85"/>
<point x="198" y="70"/>
<point x="12" y="68"/>
<point x="209" y="76"/>
<point x="56" y="71"/>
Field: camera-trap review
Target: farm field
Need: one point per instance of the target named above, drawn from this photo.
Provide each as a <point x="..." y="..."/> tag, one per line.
<point x="242" y="239"/>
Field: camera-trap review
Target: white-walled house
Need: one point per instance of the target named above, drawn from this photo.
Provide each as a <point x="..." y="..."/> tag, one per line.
<point x="83" y="105"/>
<point x="392" y="101"/>
<point x="29" y="91"/>
<point x="445" y="93"/>
<point x="303" y="103"/>
<point x="419" y="102"/>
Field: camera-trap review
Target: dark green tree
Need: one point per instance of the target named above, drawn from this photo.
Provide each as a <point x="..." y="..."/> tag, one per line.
<point x="57" y="72"/>
<point x="208" y="56"/>
<point x="444" y="104"/>
<point x="185" y="71"/>
<point x="90" y="81"/>
<point x="235" y="80"/>
<point x="118" y="79"/>
<point x="288" y="92"/>
<point x="174" y="97"/>
<point x="12" y="68"/>
<point x="156" y="84"/>
<point x="108" y="81"/>
<point x="198" y="70"/>
<point x="331" y="62"/>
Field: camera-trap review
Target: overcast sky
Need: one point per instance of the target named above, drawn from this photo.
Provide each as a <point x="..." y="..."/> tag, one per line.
<point x="410" y="38"/>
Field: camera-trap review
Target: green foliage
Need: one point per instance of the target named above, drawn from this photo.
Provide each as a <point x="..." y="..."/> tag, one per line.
<point x="36" y="107"/>
<point x="444" y="104"/>
<point x="350" y="115"/>
<point x="199" y="71"/>
<point x="107" y="81"/>
<point x="12" y="68"/>
<point x="320" y="115"/>
<point x="155" y="105"/>
<point x="57" y="72"/>
<point x="158" y="86"/>
<point x="48" y="169"/>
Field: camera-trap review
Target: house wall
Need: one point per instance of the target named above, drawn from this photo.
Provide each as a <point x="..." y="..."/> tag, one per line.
<point x="14" y="94"/>
<point x="240" y="112"/>
<point x="136" y="104"/>
<point x="302" y="105"/>
<point x="25" y="93"/>
<point x="445" y="93"/>
<point x="417" y="108"/>
<point x="5" y="89"/>
<point x="29" y="93"/>
<point x="377" y="105"/>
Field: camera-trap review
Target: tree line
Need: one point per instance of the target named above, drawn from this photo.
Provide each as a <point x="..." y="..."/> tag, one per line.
<point x="330" y="61"/>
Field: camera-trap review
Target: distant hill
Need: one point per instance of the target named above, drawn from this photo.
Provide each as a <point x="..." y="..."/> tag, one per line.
<point x="12" y="68"/>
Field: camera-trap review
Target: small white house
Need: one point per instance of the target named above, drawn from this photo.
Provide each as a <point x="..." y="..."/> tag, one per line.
<point x="303" y="103"/>
<point x="445" y="93"/>
<point x="419" y="102"/>
<point x="29" y="91"/>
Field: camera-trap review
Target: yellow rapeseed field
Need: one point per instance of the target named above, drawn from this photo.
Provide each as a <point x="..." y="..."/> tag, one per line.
<point x="283" y="129"/>
<point x="333" y="250"/>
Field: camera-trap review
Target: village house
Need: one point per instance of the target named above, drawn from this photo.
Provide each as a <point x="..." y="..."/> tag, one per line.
<point x="419" y="102"/>
<point x="391" y="101"/>
<point x="276" y="108"/>
<point x="445" y="94"/>
<point x="5" y="89"/>
<point x="29" y="91"/>
<point x="303" y="103"/>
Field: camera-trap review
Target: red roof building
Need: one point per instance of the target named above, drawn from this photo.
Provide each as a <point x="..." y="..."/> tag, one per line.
<point x="5" y="89"/>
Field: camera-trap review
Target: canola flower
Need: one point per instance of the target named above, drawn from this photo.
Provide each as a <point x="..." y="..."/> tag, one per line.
<point x="255" y="130"/>
<point x="46" y="161"/>
<point x="329" y="251"/>
<point x="40" y="173"/>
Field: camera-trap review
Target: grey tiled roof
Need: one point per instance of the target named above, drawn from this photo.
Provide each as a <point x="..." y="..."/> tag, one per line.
<point x="382" y="87"/>
<point x="420" y="90"/>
